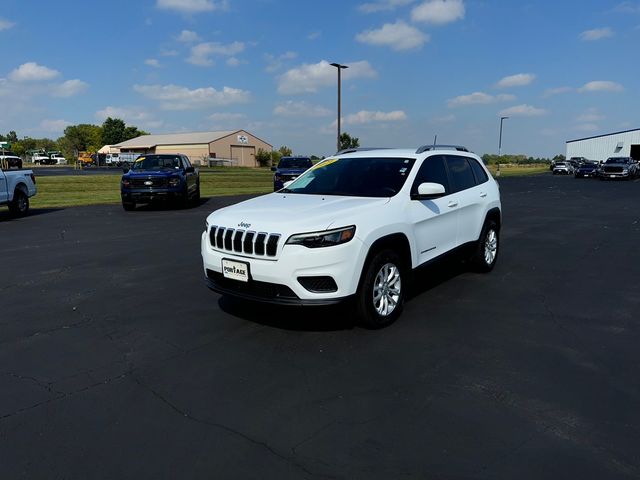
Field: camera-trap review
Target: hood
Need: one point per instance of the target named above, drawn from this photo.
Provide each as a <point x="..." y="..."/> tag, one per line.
<point x="294" y="213"/>
<point x="147" y="173"/>
<point x="291" y="171"/>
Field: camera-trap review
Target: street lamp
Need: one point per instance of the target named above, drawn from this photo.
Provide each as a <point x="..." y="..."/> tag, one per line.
<point x="339" y="67"/>
<point x="502" y="119"/>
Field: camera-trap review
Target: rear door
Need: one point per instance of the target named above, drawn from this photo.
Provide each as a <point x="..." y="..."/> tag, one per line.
<point x="4" y="196"/>
<point x="471" y="193"/>
<point x="191" y="177"/>
<point x="434" y="221"/>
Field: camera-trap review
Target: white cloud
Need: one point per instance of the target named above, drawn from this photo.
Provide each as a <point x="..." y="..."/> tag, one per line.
<point x="628" y="7"/>
<point x="596" y="34"/>
<point x="175" y="97"/>
<point x="225" y="117"/>
<point x="550" y="92"/>
<point x="5" y="24"/>
<point x="383" y="5"/>
<point x="365" y="116"/>
<point x="443" y="119"/>
<point x="235" y="62"/>
<point x="131" y="115"/>
<point x="523" y="111"/>
<point x="152" y="62"/>
<point x="601" y="86"/>
<point x="518" y="80"/>
<point x="398" y="36"/>
<point x="201" y="54"/>
<point x="192" y="6"/>
<point x="309" y="78"/>
<point x="54" y="126"/>
<point x="300" y="109"/>
<point x="438" y="12"/>
<point x="187" y="36"/>
<point x="32" y="72"/>
<point x="479" y="98"/>
<point x="590" y="115"/>
<point x="587" y="127"/>
<point x="314" y="35"/>
<point x="276" y="62"/>
<point x="69" y="88"/>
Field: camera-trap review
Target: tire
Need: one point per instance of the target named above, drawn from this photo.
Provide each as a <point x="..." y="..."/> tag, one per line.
<point x="195" y="201"/>
<point x="486" y="251"/>
<point x="384" y="276"/>
<point x="129" y="206"/>
<point x="19" y="206"/>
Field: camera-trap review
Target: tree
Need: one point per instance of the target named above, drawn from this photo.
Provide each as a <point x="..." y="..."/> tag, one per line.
<point x="12" y="137"/>
<point x="113" y="131"/>
<point x="285" y="151"/>
<point x="263" y="157"/>
<point x="347" y="141"/>
<point x="79" y="138"/>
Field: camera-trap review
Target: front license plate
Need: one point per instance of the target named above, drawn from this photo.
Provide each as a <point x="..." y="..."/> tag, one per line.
<point x="235" y="270"/>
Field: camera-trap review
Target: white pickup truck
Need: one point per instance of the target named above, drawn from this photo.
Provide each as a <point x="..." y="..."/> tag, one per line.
<point x="16" y="187"/>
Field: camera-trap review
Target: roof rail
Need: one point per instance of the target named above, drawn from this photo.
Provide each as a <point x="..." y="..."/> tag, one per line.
<point x="359" y="149"/>
<point x="426" y="148"/>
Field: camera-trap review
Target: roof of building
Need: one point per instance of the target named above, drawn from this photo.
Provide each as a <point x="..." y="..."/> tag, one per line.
<point x="605" y="135"/>
<point x="148" y="141"/>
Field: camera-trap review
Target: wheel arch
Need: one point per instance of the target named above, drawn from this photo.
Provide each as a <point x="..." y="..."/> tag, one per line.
<point x="494" y="215"/>
<point x="397" y="242"/>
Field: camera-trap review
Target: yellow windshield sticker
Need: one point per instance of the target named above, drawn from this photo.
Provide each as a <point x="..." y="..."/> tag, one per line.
<point x="324" y="163"/>
<point x="139" y="159"/>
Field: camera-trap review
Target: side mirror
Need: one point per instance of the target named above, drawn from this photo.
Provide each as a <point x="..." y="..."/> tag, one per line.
<point x="190" y="169"/>
<point x="428" y="191"/>
<point x="273" y="169"/>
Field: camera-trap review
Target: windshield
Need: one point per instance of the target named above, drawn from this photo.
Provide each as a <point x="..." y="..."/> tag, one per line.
<point x="560" y="164"/>
<point x="294" y="163"/>
<point x="617" y="160"/>
<point x="357" y="177"/>
<point x="156" y="162"/>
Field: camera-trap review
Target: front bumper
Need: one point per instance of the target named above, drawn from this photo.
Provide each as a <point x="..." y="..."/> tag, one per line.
<point x="150" y="195"/>
<point x="276" y="280"/>
<point x="615" y="174"/>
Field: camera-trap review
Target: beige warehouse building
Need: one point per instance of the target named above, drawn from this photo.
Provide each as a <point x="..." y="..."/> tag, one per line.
<point x="235" y="147"/>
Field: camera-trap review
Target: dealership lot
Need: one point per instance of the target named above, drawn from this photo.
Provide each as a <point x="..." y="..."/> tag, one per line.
<point x="117" y="362"/>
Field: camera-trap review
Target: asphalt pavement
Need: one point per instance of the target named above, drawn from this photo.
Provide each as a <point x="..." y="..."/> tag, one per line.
<point x="117" y="362"/>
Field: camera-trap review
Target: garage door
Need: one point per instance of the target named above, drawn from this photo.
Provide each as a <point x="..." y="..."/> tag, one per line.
<point x="244" y="156"/>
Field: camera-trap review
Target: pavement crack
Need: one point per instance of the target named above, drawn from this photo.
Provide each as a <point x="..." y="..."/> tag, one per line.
<point x="265" y="446"/>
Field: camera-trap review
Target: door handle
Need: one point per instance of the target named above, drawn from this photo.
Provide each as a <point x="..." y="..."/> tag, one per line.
<point x="452" y="204"/>
<point x="483" y="194"/>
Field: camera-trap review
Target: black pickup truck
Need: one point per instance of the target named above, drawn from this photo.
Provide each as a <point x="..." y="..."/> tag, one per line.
<point x="157" y="177"/>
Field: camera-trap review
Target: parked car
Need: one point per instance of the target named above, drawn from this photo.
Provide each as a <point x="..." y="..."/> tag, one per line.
<point x="353" y="227"/>
<point x="58" y="159"/>
<point x="289" y="168"/>
<point x="587" y="169"/>
<point x="16" y="187"/>
<point x="13" y="161"/>
<point x="618" y="167"/>
<point x="168" y="177"/>
<point x="563" y="168"/>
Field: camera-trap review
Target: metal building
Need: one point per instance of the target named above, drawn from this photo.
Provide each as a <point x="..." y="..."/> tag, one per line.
<point x="601" y="147"/>
<point x="236" y="147"/>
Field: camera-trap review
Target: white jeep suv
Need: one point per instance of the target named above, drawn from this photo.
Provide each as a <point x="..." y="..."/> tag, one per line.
<point x="354" y="226"/>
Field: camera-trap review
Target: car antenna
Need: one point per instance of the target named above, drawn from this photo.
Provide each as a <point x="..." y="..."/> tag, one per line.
<point x="435" y="140"/>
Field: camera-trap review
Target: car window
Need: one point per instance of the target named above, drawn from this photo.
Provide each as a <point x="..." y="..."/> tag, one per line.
<point x="478" y="171"/>
<point x="461" y="173"/>
<point x="432" y="170"/>
<point x="186" y="161"/>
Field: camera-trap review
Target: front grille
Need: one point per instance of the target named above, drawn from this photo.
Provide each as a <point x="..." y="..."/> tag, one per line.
<point x="245" y="242"/>
<point x="286" y="178"/>
<point x="318" y="284"/>
<point x="156" y="182"/>
<point x="613" y="169"/>
<point x="253" y="288"/>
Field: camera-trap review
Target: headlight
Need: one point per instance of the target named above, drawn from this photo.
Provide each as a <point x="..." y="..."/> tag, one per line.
<point x="277" y="178"/>
<point x="174" y="181"/>
<point x="326" y="238"/>
<point x="126" y="182"/>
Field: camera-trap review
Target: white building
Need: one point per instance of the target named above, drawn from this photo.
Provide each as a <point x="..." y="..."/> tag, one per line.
<point x="601" y="147"/>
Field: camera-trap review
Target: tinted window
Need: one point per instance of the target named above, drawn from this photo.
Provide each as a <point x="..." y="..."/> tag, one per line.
<point x="478" y="171"/>
<point x="432" y="170"/>
<point x="186" y="161"/>
<point x="461" y="173"/>
<point x="295" y="163"/>
<point x="357" y="177"/>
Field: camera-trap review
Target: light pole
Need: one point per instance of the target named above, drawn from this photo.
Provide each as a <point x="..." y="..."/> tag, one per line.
<point x="339" y="67"/>
<point x="502" y="119"/>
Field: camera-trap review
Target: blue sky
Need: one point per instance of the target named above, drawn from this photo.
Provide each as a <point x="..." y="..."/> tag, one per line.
<point x="559" y="69"/>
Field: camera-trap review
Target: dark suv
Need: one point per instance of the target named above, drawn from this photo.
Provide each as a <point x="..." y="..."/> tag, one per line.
<point x="160" y="177"/>
<point x="289" y="168"/>
<point x="618" y="167"/>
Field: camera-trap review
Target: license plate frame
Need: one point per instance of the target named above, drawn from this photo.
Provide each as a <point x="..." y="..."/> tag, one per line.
<point x="235" y="270"/>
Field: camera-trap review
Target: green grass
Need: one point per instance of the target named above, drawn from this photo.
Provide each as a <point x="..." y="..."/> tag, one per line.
<point x="68" y="191"/>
